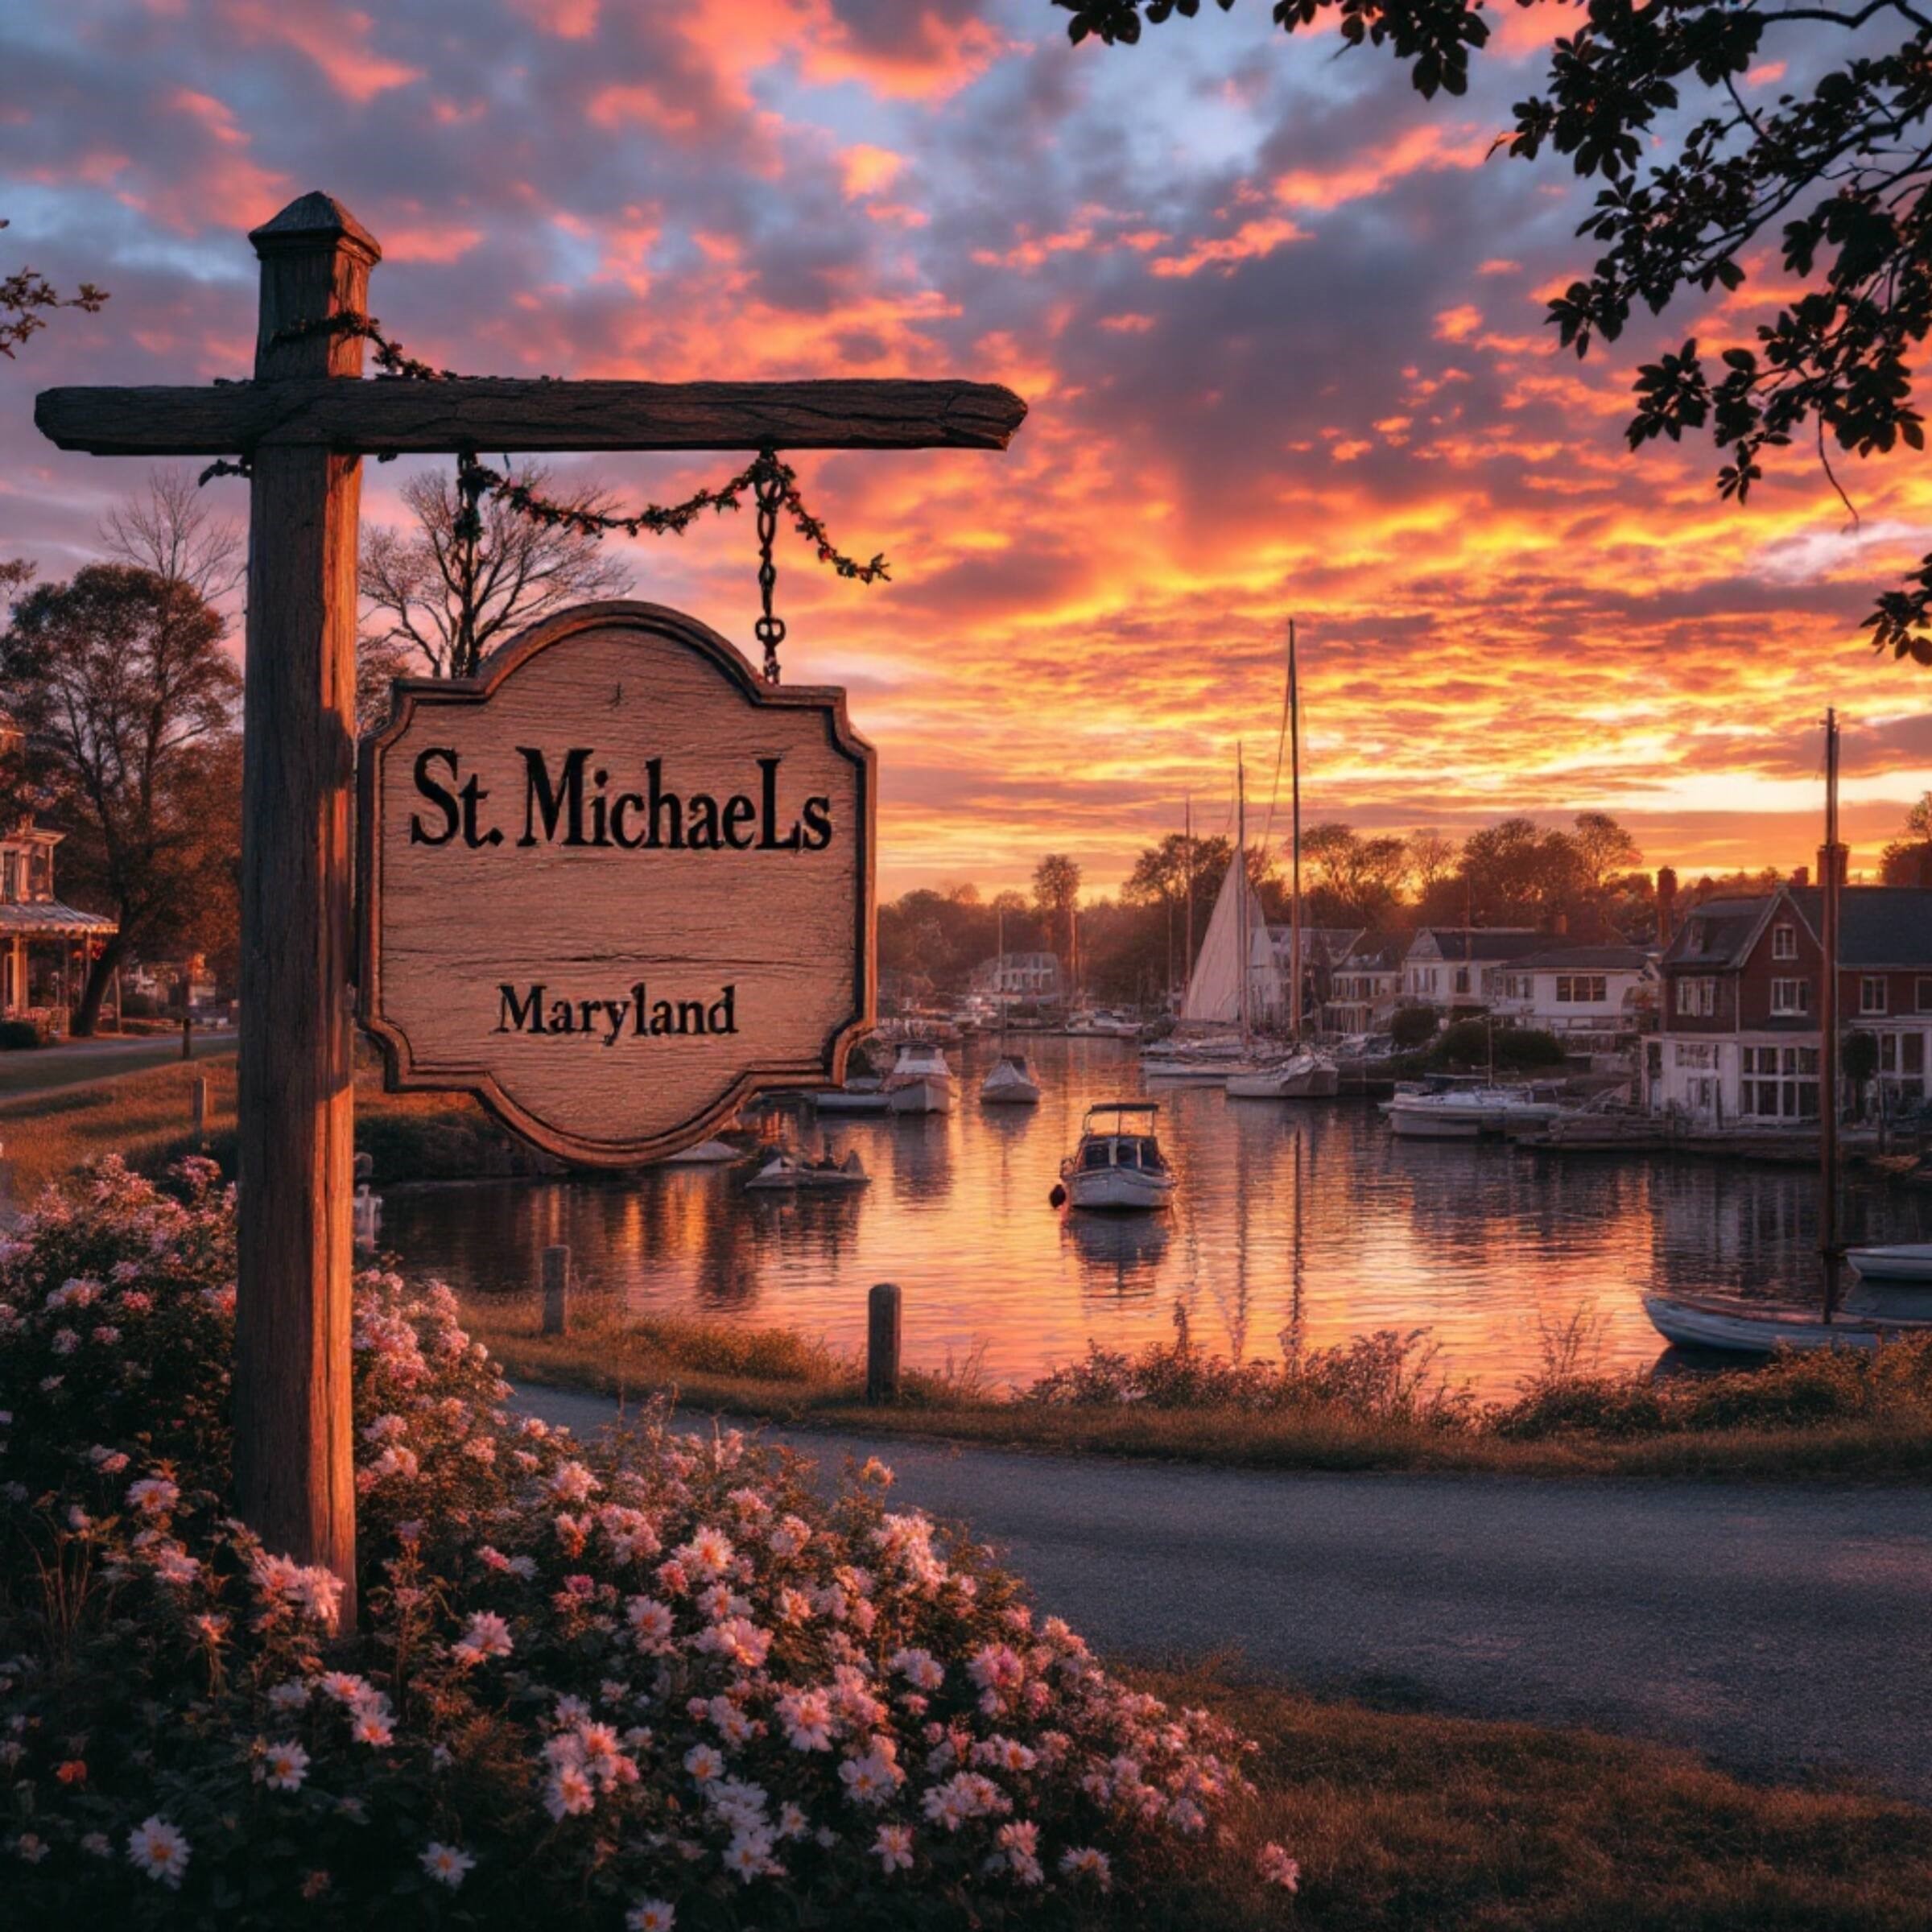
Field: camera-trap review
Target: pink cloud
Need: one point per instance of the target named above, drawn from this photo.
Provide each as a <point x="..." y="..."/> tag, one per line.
<point x="335" y="38"/>
<point x="865" y="169"/>
<point x="1261" y="236"/>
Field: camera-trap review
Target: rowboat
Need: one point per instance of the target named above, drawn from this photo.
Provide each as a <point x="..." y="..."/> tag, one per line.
<point x="1740" y="1327"/>
<point x="1118" y="1163"/>
<point x="1907" y="1261"/>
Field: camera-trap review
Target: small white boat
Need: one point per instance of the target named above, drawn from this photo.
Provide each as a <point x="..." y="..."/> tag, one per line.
<point x="1197" y="1064"/>
<point x="1309" y="1074"/>
<point x="921" y="1080"/>
<point x="790" y="1172"/>
<point x="1741" y="1328"/>
<point x="1118" y="1164"/>
<point x="1011" y="1082"/>
<point x="1463" y="1113"/>
<point x="1908" y="1262"/>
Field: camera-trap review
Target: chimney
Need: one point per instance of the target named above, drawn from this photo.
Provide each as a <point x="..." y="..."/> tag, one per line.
<point x="1924" y="867"/>
<point x="1666" y="906"/>
<point x="1560" y="925"/>
<point x="1834" y="860"/>
<point x="1801" y="875"/>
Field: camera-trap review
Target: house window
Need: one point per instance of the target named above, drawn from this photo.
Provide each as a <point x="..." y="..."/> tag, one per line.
<point x="1922" y="995"/>
<point x="1697" y="996"/>
<point x="1784" y="941"/>
<point x="1581" y="988"/>
<point x="1780" y="1083"/>
<point x="1701" y="1056"/>
<point x="1790" y="996"/>
<point x="1462" y="979"/>
<point x="1872" y="993"/>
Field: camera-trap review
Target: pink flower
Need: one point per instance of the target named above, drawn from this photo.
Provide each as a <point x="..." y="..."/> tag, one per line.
<point x="1087" y="1861"/>
<point x="446" y="1864"/>
<point x="157" y="1848"/>
<point x="1277" y="1868"/>
<point x="488" y="1636"/>
<point x="893" y="1847"/>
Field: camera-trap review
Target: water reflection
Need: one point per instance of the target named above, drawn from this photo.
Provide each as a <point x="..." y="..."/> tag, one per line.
<point x="1309" y="1221"/>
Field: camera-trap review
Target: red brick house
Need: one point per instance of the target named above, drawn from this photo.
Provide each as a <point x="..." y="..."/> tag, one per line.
<point x="1738" y="1039"/>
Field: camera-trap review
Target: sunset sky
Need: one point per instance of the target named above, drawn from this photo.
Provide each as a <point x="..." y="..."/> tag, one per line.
<point x="1278" y="321"/>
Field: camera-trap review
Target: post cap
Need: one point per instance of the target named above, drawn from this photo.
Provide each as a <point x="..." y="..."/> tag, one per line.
<point x="311" y="219"/>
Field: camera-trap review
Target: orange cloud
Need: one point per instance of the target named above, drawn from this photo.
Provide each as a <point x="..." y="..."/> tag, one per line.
<point x="1261" y="236"/>
<point x="335" y="38"/>
<point x="866" y="169"/>
<point x="1423" y="149"/>
<point x="1458" y="324"/>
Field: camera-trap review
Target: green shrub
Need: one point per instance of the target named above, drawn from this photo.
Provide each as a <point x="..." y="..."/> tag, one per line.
<point x="1411" y="1027"/>
<point x="19" y="1036"/>
<point x="1468" y="1044"/>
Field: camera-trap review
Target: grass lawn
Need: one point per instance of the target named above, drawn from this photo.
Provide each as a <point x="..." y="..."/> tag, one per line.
<point x="42" y="1069"/>
<point x="778" y="1375"/>
<point x="1409" y="1823"/>
<point x="145" y="1117"/>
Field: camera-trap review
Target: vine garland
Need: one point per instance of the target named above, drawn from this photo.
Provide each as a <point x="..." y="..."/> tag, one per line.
<point x="771" y="482"/>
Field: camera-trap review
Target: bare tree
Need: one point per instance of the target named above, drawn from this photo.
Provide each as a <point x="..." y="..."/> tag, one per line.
<point x="1431" y="859"/>
<point x="446" y="598"/>
<point x="168" y="529"/>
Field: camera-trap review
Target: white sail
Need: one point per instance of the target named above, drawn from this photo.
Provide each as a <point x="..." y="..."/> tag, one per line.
<point x="1214" y="989"/>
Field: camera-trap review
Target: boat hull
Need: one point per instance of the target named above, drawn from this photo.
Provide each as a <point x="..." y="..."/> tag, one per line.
<point x="1310" y="1084"/>
<point x="1734" y="1328"/>
<point x="1912" y="1263"/>
<point x="1119" y="1190"/>
<point x="1015" y="1093"/>
<point x="927" y="1094"/>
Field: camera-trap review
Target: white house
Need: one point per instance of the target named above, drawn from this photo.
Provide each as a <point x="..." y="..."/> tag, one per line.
<point x="1447" y="966"/>
<point x="1018" y="975"/>
<point x="1585" y="989"/>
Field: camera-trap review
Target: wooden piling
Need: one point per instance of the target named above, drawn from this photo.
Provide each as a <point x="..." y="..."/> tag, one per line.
<point x="557" y="1291"/>
<point x="200" y="1110"/>
<point x="883" y="1309"/>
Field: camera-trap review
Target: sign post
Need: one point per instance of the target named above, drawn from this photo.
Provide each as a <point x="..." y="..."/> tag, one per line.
<point x="303" y="425"/>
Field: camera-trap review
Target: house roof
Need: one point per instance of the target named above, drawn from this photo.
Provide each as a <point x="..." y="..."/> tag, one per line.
<point x="1879" y="925"/>
<point x="1460" y="945"/>
<point x="1586" y="959"/>
<point x="1332" y="943"/>
<point x="49" y="920"/>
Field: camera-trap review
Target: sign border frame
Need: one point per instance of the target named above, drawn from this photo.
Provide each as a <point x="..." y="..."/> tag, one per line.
<point x="403" y="1073"/>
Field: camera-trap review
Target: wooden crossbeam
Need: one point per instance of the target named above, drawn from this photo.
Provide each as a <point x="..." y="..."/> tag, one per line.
<point x="394" y="415"/>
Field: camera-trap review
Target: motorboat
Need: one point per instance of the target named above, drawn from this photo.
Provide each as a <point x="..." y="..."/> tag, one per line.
<point x="789" y="1172"/>
<point x="1118" y="1164"/>
<point x="1103" y="1023"/>
<point x="1735" y="1327"/>
<point x="1909" y="1262"/>
<point x="1308" y="1075"/>
<point x="1195" y="1064"/>
<point x="1011" y="1082"/>
<point x="1465" y="1113"/>
<point x="921" y="1080"/>
<point x="707" y="1154"/>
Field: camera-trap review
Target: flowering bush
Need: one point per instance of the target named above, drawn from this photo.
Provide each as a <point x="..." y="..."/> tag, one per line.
<point x="658" y="1682"/>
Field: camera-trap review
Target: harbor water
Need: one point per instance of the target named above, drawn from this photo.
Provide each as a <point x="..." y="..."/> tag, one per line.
<point x="1300" y="1221"/>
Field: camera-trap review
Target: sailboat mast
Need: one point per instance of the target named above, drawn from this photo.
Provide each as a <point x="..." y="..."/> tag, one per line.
<point x="999" y="982"/>
<point x="1240" y="884"/>
<point x="1187" y="876"/>
<point x="1827" y="1021"/>
<point x="1295" y="916"/>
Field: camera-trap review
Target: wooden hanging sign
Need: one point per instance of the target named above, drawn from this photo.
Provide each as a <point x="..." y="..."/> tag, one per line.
<point x="615" y="883"/>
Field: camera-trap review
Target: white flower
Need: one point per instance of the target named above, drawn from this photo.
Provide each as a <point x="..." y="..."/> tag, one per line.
<point x="157" y="1848"/>
<point x="704" y="1763"/>
<point x="1277" y="1868"/>
<point x="651" y="1623"/>
<point x="1086" y="1861"/>
<point x="568" y="1790"/>
<point x="893" y="1847"/>
<point x="447" y="1864"/>
<point x="650" y="1915"/>
<point x="572" y="1483"/>
<point x="488" y="1636"/>
<point x="153" y="1495"/>
<point x="869" y="1779"/>
<point x="291" y="1696"/>
<point x="284" y="1766"/>
<point x="748" y="1854"/>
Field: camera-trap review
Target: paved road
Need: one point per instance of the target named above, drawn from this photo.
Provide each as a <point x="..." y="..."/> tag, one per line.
<point x="1779" y="1630"/>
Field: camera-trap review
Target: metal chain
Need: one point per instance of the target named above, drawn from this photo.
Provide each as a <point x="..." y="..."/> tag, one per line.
<point x="768" y="485"/>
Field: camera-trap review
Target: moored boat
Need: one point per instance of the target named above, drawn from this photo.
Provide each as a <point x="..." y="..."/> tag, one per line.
<point x="1118" y="1163"/>
<point x="1308" y="1075"/>
<point x="1906" y="1261"/>
<point x="790" y="1172"/>
<point x="1011" y="1082"/>
<point x="1736" y="1326"/>
<point x="921" y="1081"/>
<point x="1464" y="1113"/>
<point x="864" y="1094"/>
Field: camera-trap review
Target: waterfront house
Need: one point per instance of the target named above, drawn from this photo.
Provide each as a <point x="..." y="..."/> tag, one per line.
<point x="1019" y="976"/>
<point x="1455" y="968"/>
<point x="1362" y="993"/>
<point x="1738" y="1030"/>
<point x="43" y="944"/>
<point x="1602" y="991"/>
<point x="1325" y="949"/>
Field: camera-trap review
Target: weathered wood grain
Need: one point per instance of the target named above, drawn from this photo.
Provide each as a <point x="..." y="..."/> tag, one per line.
<point x="447" y="926"/>
<point x="293" y="1408"/>
<point x="489" y="414"/>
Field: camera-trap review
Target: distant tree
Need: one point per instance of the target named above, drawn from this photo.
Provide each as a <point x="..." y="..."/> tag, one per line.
<point x="1604" y="848"/>
<point x="25" y="298"/>
<point x="449" y="599"/>
<point x="126" y="698"/>
<point x="1431" y="860"/>
<point x="1362" y="877"/>
<point x="1908" y="857"/>
<point x="1820" y="189"/>
<point x="168" y="528"/>
<point x="1515" y="872"/>
<point x="1056" y="892"/>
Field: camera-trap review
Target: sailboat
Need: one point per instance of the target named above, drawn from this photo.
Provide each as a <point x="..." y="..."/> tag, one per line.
<point x="1307" y="1073"/>
<point x="1011" y="1081"/>
<point x="1880" y="1306"/>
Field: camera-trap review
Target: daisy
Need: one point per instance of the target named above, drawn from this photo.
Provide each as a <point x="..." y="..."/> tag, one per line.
<point x="893" y="1847"/>
<point x="153" y="1495"/>
<point x="447" y="1864"/>
<point x="1086" y="1861"/>
<point x="284" y="1766"/>
<point x="704" y="1763"/>
<point x="568" y="1791"/>
<point x="1277" y="1868"/>
<point x="157" y="1848"/>
<point x="650" y="1915"/>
